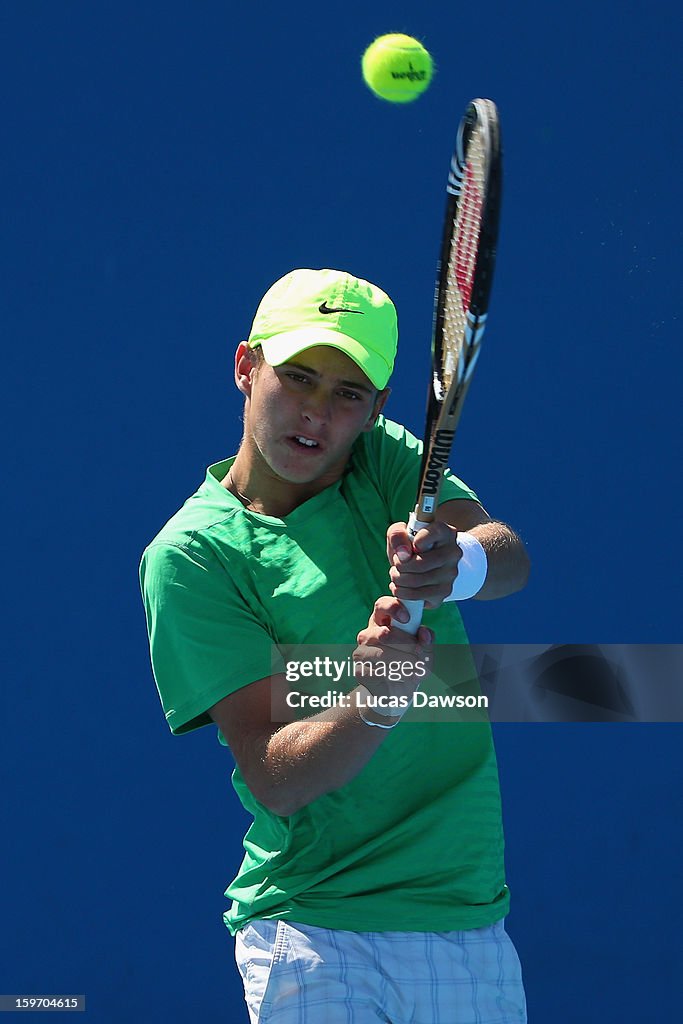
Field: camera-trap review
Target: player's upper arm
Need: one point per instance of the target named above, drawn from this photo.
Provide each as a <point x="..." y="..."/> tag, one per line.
<point x="463" y="514"/>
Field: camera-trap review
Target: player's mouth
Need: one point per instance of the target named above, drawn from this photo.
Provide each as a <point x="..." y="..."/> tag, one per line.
<point x="301" y="442"/>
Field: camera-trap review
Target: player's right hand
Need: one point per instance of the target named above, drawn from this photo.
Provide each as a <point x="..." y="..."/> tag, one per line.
<point x="381" y="632"/>
<point x="383" y="641"/>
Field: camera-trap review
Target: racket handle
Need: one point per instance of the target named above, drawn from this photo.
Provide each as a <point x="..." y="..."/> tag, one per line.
<point x="414" y="608"/>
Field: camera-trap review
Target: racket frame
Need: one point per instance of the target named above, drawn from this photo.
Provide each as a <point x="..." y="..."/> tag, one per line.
<point x="444" y="409"/>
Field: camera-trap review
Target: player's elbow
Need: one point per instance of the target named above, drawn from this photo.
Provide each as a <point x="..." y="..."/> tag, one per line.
<point x="277" y="799"/>
<point x="509" y="579"/>
<point x="284" y="793"/>
<point x="285" y="808"/>
<point x="523" y="570"/>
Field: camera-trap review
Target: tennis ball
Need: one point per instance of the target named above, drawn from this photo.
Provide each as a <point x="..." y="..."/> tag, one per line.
<point x="397" y="68"/>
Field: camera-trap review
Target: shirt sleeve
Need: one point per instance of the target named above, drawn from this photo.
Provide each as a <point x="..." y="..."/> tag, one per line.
<point x="397" y="454"/>
<point x="205" y="641"/>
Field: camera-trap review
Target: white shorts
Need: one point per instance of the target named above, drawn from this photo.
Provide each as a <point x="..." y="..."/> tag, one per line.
<point x="301" y="974"/>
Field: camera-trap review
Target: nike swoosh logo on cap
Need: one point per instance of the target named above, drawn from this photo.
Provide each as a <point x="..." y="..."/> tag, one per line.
<point x="324" y="308"/>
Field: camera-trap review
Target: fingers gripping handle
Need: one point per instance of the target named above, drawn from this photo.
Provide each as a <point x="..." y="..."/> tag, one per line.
<point x="414" y="608"/>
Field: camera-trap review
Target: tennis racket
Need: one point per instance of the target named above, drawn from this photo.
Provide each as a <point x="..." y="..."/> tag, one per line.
<point x="463" y="285"/>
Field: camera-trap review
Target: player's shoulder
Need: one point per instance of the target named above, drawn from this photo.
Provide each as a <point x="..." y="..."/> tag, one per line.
<point x="210" y="510"/>
<point x="386" y="442"/>
<point x="388" y="434"/>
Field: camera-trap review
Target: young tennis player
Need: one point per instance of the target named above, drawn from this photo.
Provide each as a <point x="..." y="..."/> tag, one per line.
<point x="372" y="885"/>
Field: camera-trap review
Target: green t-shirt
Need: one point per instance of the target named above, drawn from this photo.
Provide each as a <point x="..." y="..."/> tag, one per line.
<point x="415" y="841"/>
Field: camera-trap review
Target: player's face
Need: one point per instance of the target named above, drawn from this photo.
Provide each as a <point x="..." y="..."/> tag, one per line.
<point x="302" y="418"/>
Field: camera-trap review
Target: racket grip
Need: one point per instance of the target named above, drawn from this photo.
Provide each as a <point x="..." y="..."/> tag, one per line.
<point x="414" y="608"/>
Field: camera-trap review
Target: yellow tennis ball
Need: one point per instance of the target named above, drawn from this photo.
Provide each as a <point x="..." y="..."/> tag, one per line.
<point x="397" y="68"/>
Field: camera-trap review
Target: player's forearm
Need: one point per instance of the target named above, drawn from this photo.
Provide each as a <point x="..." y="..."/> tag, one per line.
<point x="508" y="561"/>
<point x="305" y="760"/>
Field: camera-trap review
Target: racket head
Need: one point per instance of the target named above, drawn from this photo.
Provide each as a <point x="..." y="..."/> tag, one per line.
<point x="463" y="287"/>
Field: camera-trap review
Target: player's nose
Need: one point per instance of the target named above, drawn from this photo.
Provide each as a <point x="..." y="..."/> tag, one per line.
<point x="317" y="409"/>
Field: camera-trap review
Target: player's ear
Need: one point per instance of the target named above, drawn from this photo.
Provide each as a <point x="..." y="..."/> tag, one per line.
<point x="245" y="367"/>
<point x="377" y="408"/>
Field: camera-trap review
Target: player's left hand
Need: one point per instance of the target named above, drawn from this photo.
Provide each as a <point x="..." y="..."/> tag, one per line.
<point x="423" y="569"/>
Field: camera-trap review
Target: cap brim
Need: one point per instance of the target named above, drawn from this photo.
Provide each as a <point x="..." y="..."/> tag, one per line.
<point x="281" y="347"/>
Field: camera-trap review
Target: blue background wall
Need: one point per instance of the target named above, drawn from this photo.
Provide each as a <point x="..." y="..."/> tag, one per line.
<point x="162" y="165"/>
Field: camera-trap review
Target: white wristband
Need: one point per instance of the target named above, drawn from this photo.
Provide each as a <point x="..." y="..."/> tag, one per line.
<point x="472" y="569"/>
<point x="379" y="725"/>
<point x="378" y="709"/>
<point x="396" y="713"/>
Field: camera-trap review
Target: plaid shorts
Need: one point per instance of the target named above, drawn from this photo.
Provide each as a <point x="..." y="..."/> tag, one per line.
<point x="300" y="974"/>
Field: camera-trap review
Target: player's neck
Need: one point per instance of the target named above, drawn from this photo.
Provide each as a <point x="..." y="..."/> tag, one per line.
<point x="261" y="490"/>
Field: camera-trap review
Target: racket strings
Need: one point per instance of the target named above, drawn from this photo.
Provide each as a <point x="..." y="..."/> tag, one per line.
<point x="462" y="261"/>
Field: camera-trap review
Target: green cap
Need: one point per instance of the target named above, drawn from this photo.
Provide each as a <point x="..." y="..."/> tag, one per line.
<point x="328" y="307"/>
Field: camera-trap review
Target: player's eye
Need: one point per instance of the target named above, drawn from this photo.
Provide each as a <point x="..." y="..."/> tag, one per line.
<point x="298" y="378"/>
<point x="350" y="395"/>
